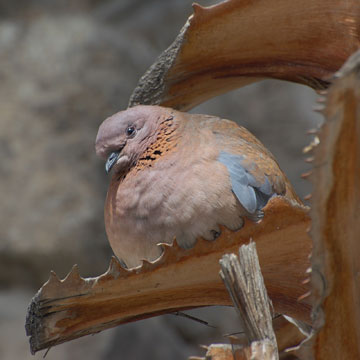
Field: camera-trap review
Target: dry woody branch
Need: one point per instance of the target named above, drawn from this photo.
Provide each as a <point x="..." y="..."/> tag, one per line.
<point x="67" y="309"/>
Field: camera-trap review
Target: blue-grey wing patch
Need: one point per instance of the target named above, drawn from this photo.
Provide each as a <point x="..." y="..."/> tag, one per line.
<point x="253" y="194"/>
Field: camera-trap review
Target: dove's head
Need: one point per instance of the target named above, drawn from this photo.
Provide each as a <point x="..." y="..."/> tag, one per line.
<point x="125" y="136"/>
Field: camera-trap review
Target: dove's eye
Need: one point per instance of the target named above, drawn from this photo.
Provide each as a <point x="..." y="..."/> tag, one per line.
<point x="130" y="131"/>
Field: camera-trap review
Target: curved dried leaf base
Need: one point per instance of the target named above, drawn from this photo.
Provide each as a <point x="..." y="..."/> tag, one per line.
<point x="335" y="221"/>
<point x="179" y="279"/>
<point x="237" y="42"/>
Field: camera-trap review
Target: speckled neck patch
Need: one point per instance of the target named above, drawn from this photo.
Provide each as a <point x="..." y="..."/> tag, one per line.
<point x="165" y="142"/>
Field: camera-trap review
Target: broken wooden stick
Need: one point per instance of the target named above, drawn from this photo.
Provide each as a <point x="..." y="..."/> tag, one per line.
<point x="245" y="284"/>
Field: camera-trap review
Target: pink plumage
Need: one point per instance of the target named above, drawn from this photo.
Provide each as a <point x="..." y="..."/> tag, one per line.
<point x="180" y="175"/>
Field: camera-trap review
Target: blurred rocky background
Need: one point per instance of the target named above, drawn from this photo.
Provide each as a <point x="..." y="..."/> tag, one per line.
<point x="64" y="67"/>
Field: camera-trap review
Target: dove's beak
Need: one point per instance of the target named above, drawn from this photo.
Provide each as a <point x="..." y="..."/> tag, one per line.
<point x="111" y="161"/>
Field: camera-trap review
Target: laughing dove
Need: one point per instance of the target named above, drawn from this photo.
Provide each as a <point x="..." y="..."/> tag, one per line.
<point x="181" y="175"/>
